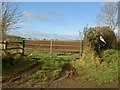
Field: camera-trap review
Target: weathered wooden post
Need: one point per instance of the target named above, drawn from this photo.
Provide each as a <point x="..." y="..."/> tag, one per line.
<point x="81" y="48"/>
<point x="23" y="46"/>
<point x="81" y="43"/>
<point x="51" y="47"/>
<point x="5" y="46"/>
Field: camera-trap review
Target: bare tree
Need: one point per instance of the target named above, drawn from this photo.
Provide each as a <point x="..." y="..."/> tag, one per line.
<point x="10" y="17"/>
<point x="109" y="15"/>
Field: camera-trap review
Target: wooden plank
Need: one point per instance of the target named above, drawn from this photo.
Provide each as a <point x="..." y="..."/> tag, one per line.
<point x="14" y="48"/>
<point x="15" y="42"/>
<point x="16" y="53"/>
<point x="10" y="42"/>
<point x="52" y="45"/>
<point x="37" y="44"/>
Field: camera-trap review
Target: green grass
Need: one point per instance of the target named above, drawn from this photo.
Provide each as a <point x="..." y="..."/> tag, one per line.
<point x="52" y="65"/>
<point x="23" y="63"/>
<point x="18" y="65"/>
<point x="51" y="68"/>
<point x="110" y="56"/>
<point x="101" y="74"/>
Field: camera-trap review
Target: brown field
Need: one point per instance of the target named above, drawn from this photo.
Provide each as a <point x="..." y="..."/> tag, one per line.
<point x="57" y="46"/>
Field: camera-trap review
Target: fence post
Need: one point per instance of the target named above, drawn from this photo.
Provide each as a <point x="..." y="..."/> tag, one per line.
<point x="5" y="47"/>
<point x="51" y="47"/>
<point x="81" y="48"/>
<point x="23" y="46"/>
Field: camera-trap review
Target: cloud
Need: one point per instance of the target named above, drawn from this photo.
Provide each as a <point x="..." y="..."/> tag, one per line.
<point x="54" y="14"/>
<point x="38" y="35"/>
<point x="35" y="16"/>
<point x="55" y="18"/>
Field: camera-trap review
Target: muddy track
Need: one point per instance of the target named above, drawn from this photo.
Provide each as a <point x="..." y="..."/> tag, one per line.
<point x="68" y="78"/>
<point x="63" y="74"/>
<point x="20" y="79"/>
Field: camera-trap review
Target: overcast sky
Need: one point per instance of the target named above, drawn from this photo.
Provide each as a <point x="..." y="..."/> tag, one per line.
<point x="62" y="18"/>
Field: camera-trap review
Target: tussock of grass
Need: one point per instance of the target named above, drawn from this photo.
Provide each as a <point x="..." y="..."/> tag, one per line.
<point x="89" y="57"/>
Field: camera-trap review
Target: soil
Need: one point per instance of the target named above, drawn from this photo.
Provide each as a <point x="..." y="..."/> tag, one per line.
<point x="18" y="80"/>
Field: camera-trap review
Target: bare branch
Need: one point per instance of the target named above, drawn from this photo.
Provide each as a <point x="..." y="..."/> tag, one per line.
<point x="10" y="16"/>
<point x="108" y="15"/>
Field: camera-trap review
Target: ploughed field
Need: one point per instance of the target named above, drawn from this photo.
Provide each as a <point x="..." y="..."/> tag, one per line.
<point x="58" y="47"/>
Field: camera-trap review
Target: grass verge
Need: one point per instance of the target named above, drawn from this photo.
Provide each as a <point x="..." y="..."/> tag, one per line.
<point x="102" y="75"/>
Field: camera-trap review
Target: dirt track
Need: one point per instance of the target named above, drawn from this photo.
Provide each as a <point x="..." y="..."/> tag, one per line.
<point x="18" y="80"/>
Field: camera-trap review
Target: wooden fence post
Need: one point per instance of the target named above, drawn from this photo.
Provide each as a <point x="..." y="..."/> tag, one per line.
<point x="23" y="46"/>
<point x="51" y="47"/>
<point x="81" y="48"/>
<point x="5" y="47"/>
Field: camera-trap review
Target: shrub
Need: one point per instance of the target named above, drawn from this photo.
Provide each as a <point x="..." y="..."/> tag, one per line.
<point x="109" y="56"/>
<point x="92" y="38"/>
